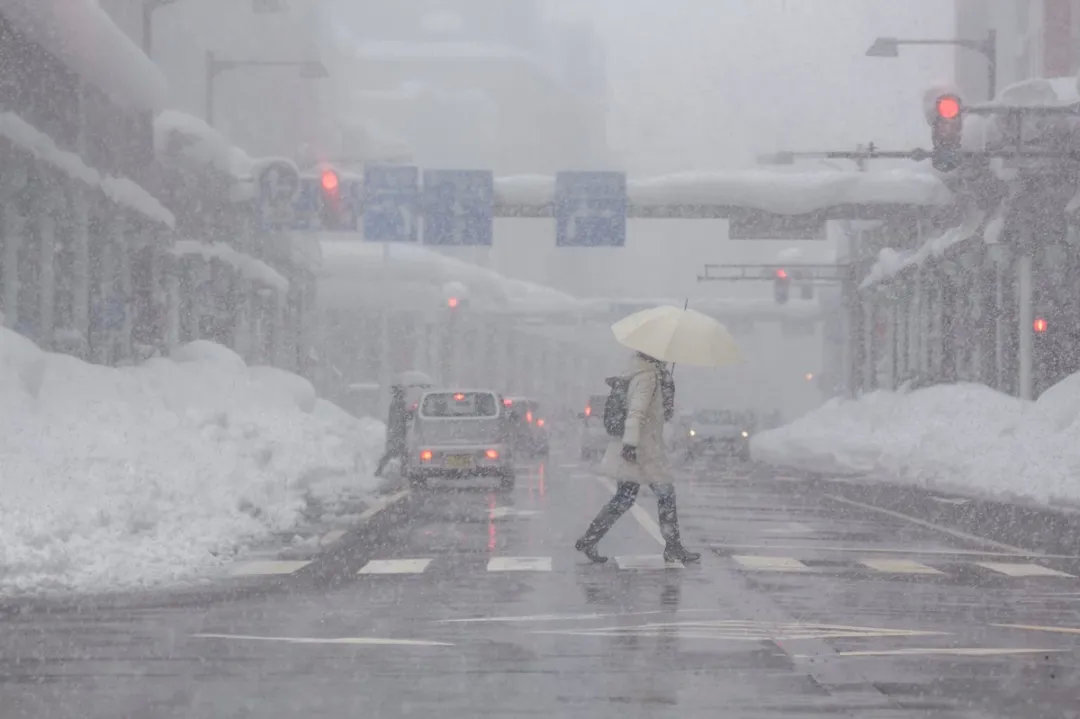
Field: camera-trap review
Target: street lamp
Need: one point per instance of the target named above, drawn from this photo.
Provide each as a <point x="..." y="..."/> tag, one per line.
<point x="890" y="47"/>
<point x="308" y="70"/>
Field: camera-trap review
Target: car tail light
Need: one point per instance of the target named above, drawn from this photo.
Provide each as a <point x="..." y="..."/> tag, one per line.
<point x="459" y="397"/>
<point x="540" y="423"/>
<point x="508" y="403"/>
<point x="588" y="410"/>
<point x="492" y="454"/>
<point x="529" y="417"/>
<point x="426" y="455"/>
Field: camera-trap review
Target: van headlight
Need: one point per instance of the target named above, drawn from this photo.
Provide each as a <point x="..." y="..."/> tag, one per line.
<point x="745" y="434"/>
<point x="693" y="433"/>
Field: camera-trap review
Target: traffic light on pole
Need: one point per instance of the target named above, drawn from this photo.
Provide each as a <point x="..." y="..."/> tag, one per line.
<point x="947" y="125"/>
<point x="781" y="286"/>
<point x="330" y="188"/>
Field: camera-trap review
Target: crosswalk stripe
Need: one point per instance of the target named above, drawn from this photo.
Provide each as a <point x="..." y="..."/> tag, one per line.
<point x="770" y="564"/>
<point x="519" y="564"/>
<point x="1014" y="569"/>
<point x="260" y="568"/>
<point x="899" y="566"/>
<point x="395" y="566"/>
<point x="646" y="561"/>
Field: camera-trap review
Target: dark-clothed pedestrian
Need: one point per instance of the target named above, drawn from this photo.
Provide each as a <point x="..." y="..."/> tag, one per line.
<point x="396" y="428"/>
<point x="639" y="456"/>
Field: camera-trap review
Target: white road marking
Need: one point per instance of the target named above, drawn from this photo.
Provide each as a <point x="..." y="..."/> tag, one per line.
<point x="569" y="617"/>
<point x="893" y="550"/>
<point x="331" y="537"/>
<point x="646" y="561"/>
<point x="741" y="630"/>
<point x="261" y="568"/>
<point x="395" y="566"/>
<point x="647" y="523"/>
<point x="500" y="512"/>
<point x="381" y="504"/>
<point x="760" y="563"/>
<point x="790" y="528"/>
<point x="930" y="525"/>
<point x="519" y="564"/>
<point x="1038" y="628"/>
<point x="379" y="641"/>
<point x="941" y="651"/>
<point x="1022" y="570"/>
<point x="899" y="566"/>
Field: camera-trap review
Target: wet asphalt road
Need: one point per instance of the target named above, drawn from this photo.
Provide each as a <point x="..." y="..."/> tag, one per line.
<point x="810" y="601"/>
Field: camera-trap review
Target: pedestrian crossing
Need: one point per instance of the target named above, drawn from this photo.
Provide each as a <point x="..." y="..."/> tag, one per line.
<point x="891" y="566"/>
<point x="884" y="567"/>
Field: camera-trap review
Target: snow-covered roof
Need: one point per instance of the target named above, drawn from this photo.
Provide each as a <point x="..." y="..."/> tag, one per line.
<point x="246" y="265"/>
<point x="407" y="276"/>
<point x="179" y="135"/>
<point x="86" y="39"/>
<point x="892" y="262"/>
<point x="780" y="192"/>
<point x="120" y="190"/>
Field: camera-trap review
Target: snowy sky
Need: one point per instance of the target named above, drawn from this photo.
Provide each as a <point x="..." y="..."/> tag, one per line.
<point x="711" y="83"/>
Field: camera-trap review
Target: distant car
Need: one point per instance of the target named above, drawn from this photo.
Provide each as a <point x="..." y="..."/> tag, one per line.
<point x="594" y="438"/>
<point x="715" y="431"/>
<point x="459" y="435"/>
<point x="528" y="427"/>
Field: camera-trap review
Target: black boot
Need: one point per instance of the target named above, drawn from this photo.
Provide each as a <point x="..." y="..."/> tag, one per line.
<point x="679" y="553"/>
<point x="590" y="551"/>
<point x="622" y="501"/>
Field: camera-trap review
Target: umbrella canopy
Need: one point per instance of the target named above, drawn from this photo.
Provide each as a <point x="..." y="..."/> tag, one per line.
<point x="678" y="335"/>
<point x="413" y="378"/>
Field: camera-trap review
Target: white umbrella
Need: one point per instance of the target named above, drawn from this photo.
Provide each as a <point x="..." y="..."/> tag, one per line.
<point x="413" y="378"/>
<point x="679" y="335"/>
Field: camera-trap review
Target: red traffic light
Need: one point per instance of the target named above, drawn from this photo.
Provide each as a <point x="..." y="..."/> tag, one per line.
<point x="330" y="181"/>
<point x="948" y="107"/>
<point x="453" y="302"/>
<point x="1040" y="325"/>
<point x="781" y="274"/>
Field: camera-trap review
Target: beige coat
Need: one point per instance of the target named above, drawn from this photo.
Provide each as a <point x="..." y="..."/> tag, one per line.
<point x="644" y="429"/>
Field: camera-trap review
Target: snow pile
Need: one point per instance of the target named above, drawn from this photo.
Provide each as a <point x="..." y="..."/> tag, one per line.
<point x="963" y="437"/>
<point x="892" y="262"/>
<point x="128" y="477"/>
<point x="177" y="134"/>
<point x="120" y="190"/>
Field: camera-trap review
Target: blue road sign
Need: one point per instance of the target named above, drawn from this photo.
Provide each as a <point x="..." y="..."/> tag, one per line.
<point x="391" y="203"/>
<point x="458" y="207"/>
<point x="590" y="209"/>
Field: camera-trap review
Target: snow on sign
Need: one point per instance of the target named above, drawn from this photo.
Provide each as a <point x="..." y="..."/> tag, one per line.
<point x="391" y="203"/>
<point x="590" y="209"/>
<point x="749" y="224"/>
<point x="458" y="207"/>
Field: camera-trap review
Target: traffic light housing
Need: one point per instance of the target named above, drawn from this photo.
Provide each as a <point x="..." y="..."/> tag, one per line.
<point x="781" y="286"/>
<point x="946" y="126"/>
<point x="331" y="213"/>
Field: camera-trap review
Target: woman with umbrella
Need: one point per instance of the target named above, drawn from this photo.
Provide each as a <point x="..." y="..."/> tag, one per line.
<point x="659" y="335"/>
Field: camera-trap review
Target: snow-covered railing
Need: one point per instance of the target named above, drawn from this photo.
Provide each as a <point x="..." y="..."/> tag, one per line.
<point x="120" y="190"/>
<point x="86" y="40"/>
<point x="722" y="193"/>
<point x="892" y="262"/>
<point x="245" y="265"/>
<point x="188" y="139"/>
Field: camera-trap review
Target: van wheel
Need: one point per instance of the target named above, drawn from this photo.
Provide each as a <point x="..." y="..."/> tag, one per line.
<point x="507" y="482"/>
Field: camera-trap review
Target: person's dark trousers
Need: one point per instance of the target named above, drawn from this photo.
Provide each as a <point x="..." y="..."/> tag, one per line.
<point x="624" y="500"/>
<point x="390" y="454"/>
